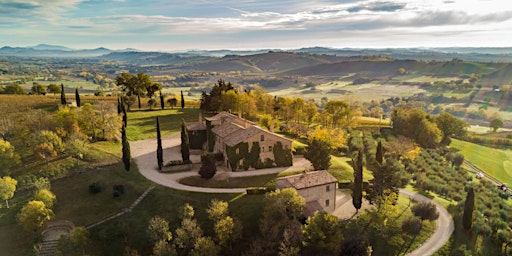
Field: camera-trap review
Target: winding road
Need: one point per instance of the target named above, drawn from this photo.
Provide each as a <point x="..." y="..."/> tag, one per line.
<point x="144" y="154"/>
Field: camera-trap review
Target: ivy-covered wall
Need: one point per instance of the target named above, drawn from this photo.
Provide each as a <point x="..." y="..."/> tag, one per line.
<point x="240" y="154"/>
<point x="282" y="156"/>
<point x="197" y="139"/>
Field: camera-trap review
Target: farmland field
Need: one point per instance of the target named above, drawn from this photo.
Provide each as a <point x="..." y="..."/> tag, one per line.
<point x="495" y="162"/>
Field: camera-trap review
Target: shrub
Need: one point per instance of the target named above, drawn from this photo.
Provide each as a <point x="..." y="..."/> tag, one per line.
<point x="95" y="188"/>
<point x="258" y="190"/>
<point x="118" y="190"/>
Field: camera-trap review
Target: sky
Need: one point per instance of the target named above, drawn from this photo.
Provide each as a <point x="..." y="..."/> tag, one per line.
<point x="168" y="25"/>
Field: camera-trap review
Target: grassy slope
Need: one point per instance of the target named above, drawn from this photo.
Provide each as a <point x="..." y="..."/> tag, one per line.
<point x="142" y="124"/>
<point x="495" y="162"/>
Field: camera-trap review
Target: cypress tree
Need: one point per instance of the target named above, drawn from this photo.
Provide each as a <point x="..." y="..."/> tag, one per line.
<point x="159" y="151"/>
<point x="62" y="95"/>
<point x="138" y="99"/>
<point x="126" y="149"/>
<point x="357" y="190"/>
<point x="125" y="117"/>
<point x="379" y="156"/>
<point x="469" y="205"/>
<point x="162" y="103"/>
<point x="185" y="148"/>
<point x="182" y="101"/>
<point x="119" y="110"/>
<point x="77" y="97"/>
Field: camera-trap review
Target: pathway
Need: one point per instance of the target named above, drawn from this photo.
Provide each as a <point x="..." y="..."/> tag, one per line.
<point x="144" y="154"/>
<point x="123" y="211"/>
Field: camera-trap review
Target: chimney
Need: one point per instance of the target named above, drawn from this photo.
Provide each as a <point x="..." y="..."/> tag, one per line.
<point x="240" y="114"/>
<point x="200" y="117"/>
<point x="271" y="126"/>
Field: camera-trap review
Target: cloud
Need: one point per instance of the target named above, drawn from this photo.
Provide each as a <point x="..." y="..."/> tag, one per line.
<point x="34" y="10"/>
<point x="377" y="7"/>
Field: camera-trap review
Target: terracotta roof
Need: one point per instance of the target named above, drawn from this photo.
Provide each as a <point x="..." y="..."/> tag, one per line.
<point x="220" y="115"/>
<point x="196" y="126"/>
<point x="312" y="207"/>
<point x="226" y="129"/>
<point x="242" y="135"/>
<point x="309" y="179"/>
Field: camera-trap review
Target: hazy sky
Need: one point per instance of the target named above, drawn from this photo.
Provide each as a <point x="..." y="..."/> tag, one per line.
<point x="247" y="24"/>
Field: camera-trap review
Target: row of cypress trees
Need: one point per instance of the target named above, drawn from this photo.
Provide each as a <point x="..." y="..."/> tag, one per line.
<point x="63" y="96"/>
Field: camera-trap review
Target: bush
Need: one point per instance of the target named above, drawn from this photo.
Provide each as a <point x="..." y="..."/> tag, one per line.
<point x="258" y="190"/>
<point x="95" y="188"/>
<point x="174" y="163"/>
<point x="118" y="190"/>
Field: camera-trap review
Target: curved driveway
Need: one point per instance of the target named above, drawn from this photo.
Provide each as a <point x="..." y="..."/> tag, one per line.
<point x="144" y="154"/>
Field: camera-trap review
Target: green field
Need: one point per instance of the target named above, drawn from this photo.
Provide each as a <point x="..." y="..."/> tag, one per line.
<point x="495" y="162"/>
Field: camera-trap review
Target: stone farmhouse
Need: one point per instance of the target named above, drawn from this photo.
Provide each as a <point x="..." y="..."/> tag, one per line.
<point x="238" y="135"/>
<point x="318" y="188"/>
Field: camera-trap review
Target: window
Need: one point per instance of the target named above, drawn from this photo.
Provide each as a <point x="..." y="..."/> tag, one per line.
<point x="327" y="188"/>
<point x="262" y="138"/>
<point x="327" y="202"/>
<point x="269" y="148"/>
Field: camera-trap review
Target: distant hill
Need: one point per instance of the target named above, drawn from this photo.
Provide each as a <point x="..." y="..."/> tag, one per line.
<point x="53" y="51"/>
<point x="481" y="54"/>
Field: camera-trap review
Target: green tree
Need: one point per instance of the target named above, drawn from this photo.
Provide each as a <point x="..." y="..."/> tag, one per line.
<point x="77" y="97"/>
<point x="469" y="206"/>
<point x="173" y="102"/>
<point x="62" y="95"/>
<point x="53" y="88"/>
<point x="45" y="196"/>
<point x="205" y="246"/>
<point x="7" y="188"/>
<point x="151" y="103"/>
<point x="182" y="101"/>
<point x="8" y="157"/>
<point x="164" y="248"/>
<point x="80" y="238"/>
<point x="187" y="234"/>
<point x="388" y="176"/>
<point x="425" y="210"/>
<point x="186" y="211"/>
<point x="282" y="211"/>
<point x="379" y="155"/>
<point x="14" y="89"/>
<point x="495" y="124"/>
<point x="322" y="234"/>
<point x="38" y="89"/>
<point x="34" y="216"/>
<point x="162" y="102"/>
<point x="159" y="150"/>
<point x="227" y="231"/>
<point x="450" y="126"/>
<point x="185" y="147"/>
<point x="357" y="189"/>
<point x="158" y="229"/>
<point x="50" y="138"/>
<point x="126" y="149"/>
<point x="318" y="153"/>
<point x="130" y="84"/>
<point x="337" y="110"/>
<point x="217" y="210"/>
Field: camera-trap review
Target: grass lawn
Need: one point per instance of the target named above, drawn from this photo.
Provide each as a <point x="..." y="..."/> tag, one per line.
<point x="142" y="124"/>
<point x="343" y="171"/>
<point x="495" y="162"/>
<point x="267" y="180"/>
